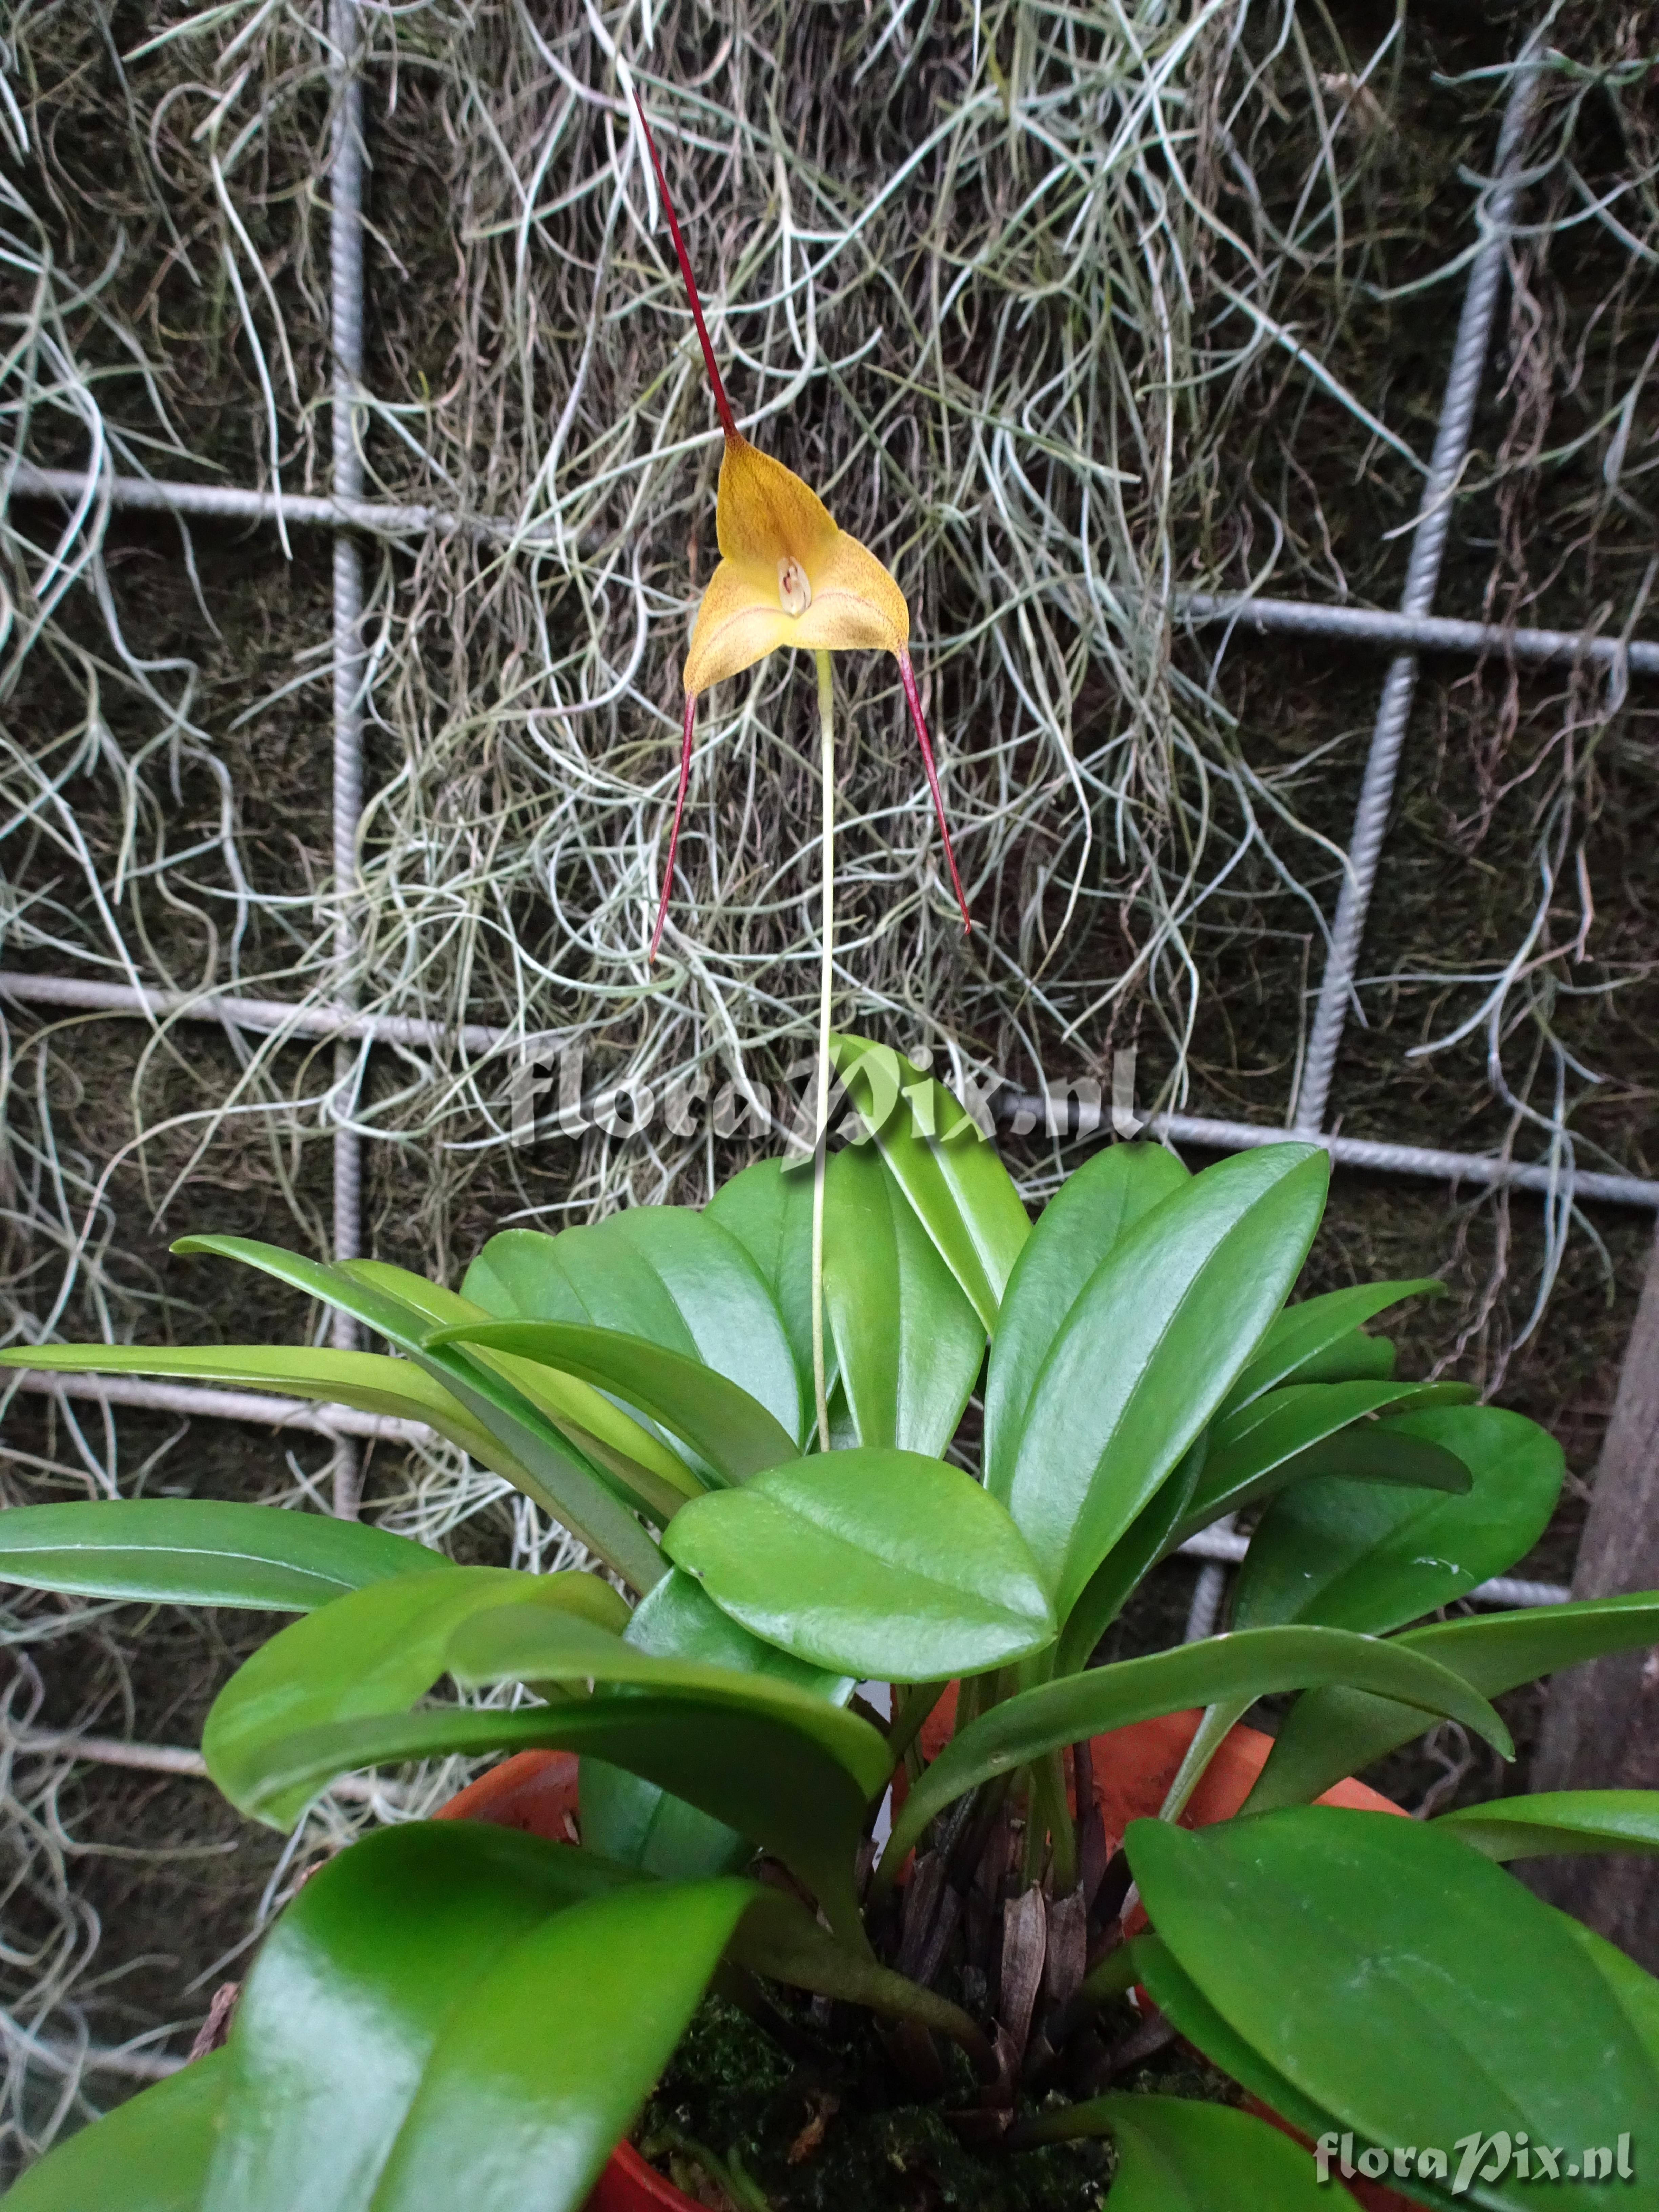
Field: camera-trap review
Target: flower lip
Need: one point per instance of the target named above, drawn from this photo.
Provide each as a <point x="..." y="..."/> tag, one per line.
<point x="795" y="587"/>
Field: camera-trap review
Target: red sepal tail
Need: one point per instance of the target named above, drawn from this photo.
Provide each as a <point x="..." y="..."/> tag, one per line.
<point x="723" y="406"/>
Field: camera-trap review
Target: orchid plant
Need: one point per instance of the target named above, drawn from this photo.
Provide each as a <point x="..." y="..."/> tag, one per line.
<point x="1024" y="1420"/>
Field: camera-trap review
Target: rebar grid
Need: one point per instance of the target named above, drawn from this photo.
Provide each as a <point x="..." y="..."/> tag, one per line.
<point x="1450" y="456"/>
<point x="580" y="565"/>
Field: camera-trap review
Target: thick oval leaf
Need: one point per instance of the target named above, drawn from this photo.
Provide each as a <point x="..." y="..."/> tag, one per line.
<point x="1637" y="1989"/>
<point x="368" y="1381"/>
<point x="374" y="1651"/>
<point x="1174" y="2154"/>
<point x="187" y="1550"/>
<point x="1331" y="1733"/>
<point x="1257" y="1663"/>
<point x="945" y="1163"/>
<point x="1357" y="1555"/>
<point x="909" y="1345"/>
<point x="666" y="1273"/>
<point x="1308" y="1430"/>
<point x="719" y="1420"/>
<point x="1306" y="1333"/>
<point x="150" y="2154"/>
<point x="526" y="1449"/>
<point x="1191" y="2014"/>
<point x="350" y="1992"/>
<point x="636" y="1824"/>
<point x="1395" y="1979"/>
<point x="1073" y="1235"/>
<point x="879" y="1564"/>
<point x="1148" y="1350"/>
<point x="767" y="1208"/>
<point x="1558" y="1820"/>
<point x="523" y="2100"/>
<point x="634" y="1455"/>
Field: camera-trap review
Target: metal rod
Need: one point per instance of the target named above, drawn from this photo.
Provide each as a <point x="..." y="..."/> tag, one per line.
<point x="350" y="660"/>
<point x="267" y="1015"/>
<point x="1423" y="1161"/>
<point x="272" y="1016"/>
<point x="1206" y="1609"/>
<point x="193" y="1400"/>
<point x="228" y="503"/>
<point x="1451" y="447"/>
<point x="1224" y="1548"/>
<point x="1426" y="633"/>
<point x="163" y="1759"/>
<point x="1296" y="617"/>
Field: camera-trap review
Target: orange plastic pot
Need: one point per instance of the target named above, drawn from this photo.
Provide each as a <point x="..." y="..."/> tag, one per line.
<point x="1134" y="1767"/>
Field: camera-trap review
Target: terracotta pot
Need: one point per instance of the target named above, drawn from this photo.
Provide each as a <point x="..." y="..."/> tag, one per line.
<point x="1134" y="1767"/>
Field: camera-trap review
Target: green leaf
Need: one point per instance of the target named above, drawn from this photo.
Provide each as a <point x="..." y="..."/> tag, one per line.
<point x="1558" y="1820"/>
<point x="633" y="1454"/>
<point x="668" y="1274"/>
<point x="528" y="1450"/>
<point x="1357" y="1555"/>
<point x="1149" y="1536"/>
<point x="817" y="1766"/>
<point x="780" y="1939"/>
<point x="372" y="1652"/>
<point x="796" y="1775"/>
<point x="878" y="1564"/>
<point x="769" y="1212"/>
<point x="368" y="1381"/>
<point x="184" y="1551"/>
<point x="1074" y="1233"/>
<point x="1150" y="1346"/>
<point x="1394" y="1979"/>
<point x="150" y="2154"/>
<point x="1637" y="1989"/>
<point x="1178" y="1997"/>
<point x="945" y="1163"/>
<point x="351" y="1992"/>
<point x="1174" y="2154"/>
<point x="1304" y="1333"/>
<point x="1257" y="1663"/>
<point x="1356" y="1358"/>
<point x="1332" y="1733"/>
<point x="523" y="2100"/>
<point x="637" y="1824"/>
<point x="732" y="1431"/>
<point x="1310" y="1429"/>
<point x="908" y="1343"/>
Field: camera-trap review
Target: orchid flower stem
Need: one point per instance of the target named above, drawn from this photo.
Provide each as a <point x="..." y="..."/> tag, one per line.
<point x="826" y="986"/>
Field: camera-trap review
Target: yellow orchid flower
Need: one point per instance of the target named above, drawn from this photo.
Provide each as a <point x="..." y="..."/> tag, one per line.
<point x="787" y="575"/>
